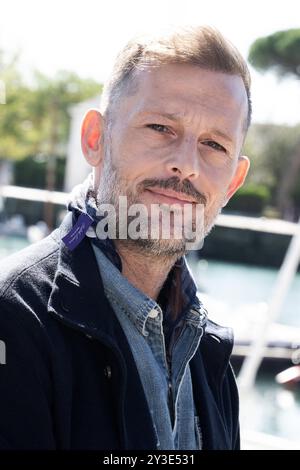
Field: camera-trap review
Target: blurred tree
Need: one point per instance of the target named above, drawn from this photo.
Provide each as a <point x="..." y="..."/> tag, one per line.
<point x="13" y="143"/>
<point x="35" y="119"/>
<point x="281" y="52"/>
<point x="271" y="149"/>
<point x="49" y="109"/>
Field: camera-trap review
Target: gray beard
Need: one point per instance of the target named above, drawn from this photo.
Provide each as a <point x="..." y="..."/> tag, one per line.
<point x="112" y="185"/>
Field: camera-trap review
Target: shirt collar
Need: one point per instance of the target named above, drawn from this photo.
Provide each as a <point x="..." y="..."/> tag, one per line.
<point x="180" y="279"/>
<point x="120" y="291"/>
<point x="138" y="306"/>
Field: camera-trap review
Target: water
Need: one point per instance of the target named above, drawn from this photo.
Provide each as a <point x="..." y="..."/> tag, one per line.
<point x="269" y="408"/>
<point x="237" y="284"/>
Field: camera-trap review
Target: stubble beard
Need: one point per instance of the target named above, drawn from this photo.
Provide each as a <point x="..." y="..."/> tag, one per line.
<point x="112" y="185"/>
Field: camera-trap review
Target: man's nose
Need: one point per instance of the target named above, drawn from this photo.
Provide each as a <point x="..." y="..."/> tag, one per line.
<point x="184" y="161"/>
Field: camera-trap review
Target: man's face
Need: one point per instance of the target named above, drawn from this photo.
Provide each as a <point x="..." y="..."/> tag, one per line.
<point x="177" y="139"/>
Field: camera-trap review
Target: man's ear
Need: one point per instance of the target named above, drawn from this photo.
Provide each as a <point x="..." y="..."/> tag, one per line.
<point x="239" y="176"/>
<point x="91" y="137"/>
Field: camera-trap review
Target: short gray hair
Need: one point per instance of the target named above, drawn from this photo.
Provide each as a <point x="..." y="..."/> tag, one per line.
<point x="202" y="46"/>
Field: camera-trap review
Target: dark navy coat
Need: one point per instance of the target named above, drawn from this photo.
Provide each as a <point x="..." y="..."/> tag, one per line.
<point x="69" y="380"/>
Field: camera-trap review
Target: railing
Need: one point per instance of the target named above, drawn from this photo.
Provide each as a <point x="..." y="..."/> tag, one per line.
<point x="32" y="194"/>
<point x="224" y="220"/>
<point x="250" y="440"/>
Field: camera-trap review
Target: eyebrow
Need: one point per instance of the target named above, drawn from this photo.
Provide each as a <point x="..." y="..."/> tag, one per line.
<point x="171" y="116"/>
<point x="176" y="117"/>
<point x="222" y="135"/>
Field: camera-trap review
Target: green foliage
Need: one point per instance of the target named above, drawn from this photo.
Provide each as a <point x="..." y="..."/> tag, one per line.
<point x="31" y="172"/>
<point x="50" y="103"/>
<point x="270" y="147"/>
<point x="279" y="51"/>
<point x="35" y="122"/>
<point x="35" y="119"/>
<point x="251" y="199"/>
<point x="296" y="195"/>
<point x="273" y="151"/>
<point x="13" y="113"/>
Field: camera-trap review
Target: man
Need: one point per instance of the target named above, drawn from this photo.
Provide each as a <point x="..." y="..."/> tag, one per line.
<point x="107" y="343"/>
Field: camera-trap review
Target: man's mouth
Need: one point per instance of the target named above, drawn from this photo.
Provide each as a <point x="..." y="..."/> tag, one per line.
<point x="168" y="196"/>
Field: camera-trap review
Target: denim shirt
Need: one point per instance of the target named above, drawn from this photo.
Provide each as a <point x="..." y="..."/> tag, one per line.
<point x="166" y="381"/>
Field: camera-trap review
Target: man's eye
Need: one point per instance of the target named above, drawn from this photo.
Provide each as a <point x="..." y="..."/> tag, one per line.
<point x="214" y="145"/>
<point x="158" y="127"/>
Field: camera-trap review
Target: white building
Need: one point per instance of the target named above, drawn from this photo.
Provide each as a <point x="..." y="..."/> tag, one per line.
<point x="6" y="172"/>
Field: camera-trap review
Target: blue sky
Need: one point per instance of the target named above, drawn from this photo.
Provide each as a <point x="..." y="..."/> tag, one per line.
<point x="85" y="37"/>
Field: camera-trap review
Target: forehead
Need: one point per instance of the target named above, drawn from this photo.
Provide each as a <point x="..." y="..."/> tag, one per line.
<point x="188" y="90"/>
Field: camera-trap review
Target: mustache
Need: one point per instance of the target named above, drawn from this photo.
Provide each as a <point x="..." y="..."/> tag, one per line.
<point x="174" y="183"/>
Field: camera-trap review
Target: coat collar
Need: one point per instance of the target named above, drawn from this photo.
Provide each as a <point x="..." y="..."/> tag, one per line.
<point x="208" y="369"/>
<point x="77" y="295"/>
<point x="77" y="272"/>
<point x="78" y="300"/>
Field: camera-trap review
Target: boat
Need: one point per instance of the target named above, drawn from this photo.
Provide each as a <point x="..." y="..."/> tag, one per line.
<point x="282" y="345"/>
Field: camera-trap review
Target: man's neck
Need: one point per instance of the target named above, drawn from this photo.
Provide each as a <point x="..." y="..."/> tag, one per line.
<point x="147" y="273"/>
